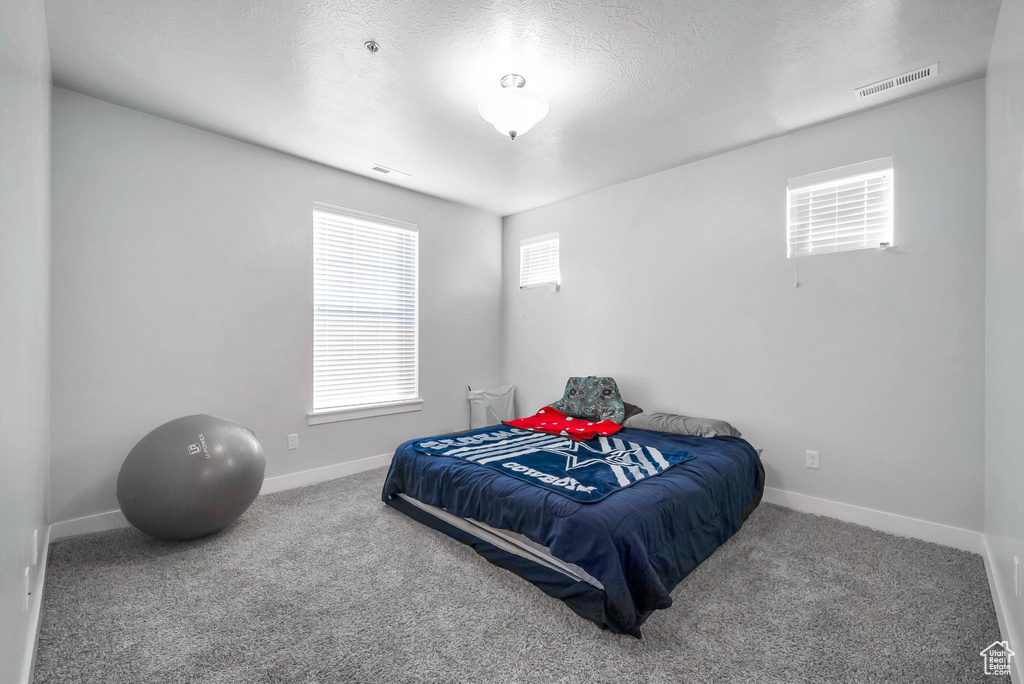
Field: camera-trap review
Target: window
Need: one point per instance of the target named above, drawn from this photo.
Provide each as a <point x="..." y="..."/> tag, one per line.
<point x="365" y="323"/>
<point x="842" y="209"/>
<point x="538" y="261"/>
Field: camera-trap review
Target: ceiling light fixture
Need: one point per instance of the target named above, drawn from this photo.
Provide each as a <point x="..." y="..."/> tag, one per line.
<point x="513" y="110"/>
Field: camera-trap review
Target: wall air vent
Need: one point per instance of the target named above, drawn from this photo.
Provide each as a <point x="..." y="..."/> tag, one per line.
<point x="389" y="171"/>
<point x="898" y="81"/>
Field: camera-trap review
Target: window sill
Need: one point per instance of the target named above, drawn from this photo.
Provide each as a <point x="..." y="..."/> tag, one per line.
<point x="357" y="412"/>
<point x="553" y="287"/>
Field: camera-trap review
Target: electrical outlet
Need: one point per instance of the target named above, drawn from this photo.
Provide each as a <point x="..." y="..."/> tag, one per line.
<point x="812" y="459"/>
<point x="293" y="441"/>
<point x="27" y="590"/>
<point x="1016" y="577"/>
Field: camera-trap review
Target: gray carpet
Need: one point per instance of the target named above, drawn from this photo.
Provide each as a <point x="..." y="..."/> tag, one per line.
<point x="326" y="584"/>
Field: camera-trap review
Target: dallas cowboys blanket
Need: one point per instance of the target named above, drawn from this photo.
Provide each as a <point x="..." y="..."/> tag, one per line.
<point x="584" y="471"/>
<point x="638" y="544"/>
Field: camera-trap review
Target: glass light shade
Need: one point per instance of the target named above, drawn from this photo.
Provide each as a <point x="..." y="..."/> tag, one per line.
<point x="513" y="111"/>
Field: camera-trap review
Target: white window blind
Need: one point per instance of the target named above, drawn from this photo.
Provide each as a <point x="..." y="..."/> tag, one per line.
<point x="365" y="323"/>
<point x="842" y="209"/>
<point x="538" y="261"/>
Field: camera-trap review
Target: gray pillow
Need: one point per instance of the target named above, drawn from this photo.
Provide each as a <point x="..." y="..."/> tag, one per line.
<point x="681" y="425"/>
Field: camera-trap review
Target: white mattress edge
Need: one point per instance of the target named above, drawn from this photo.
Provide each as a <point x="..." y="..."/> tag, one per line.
<point x="508" y="541"/>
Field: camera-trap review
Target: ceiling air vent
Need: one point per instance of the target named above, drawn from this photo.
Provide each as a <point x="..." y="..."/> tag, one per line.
<point x="389" y="171"/>
<point x="898" y="81"/>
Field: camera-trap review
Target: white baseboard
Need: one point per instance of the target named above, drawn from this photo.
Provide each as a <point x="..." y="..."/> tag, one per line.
<point x="111" y="520"/>
<point x="1002" y="612"/>
<point x="98" y="522"/>
<point x="28" y="665"/>
<point x="958" y="538"/>
<point x="331" y="472"/>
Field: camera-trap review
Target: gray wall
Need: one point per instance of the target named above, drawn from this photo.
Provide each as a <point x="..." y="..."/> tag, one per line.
<point x="182" y="283"/>
<point x="677" y="285"/>
<point x="24" y="315"/>
<point x="1004" y="382"/>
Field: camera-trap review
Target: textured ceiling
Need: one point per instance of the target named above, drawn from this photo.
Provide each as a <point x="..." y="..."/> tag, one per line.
<point x="635" y="86"/>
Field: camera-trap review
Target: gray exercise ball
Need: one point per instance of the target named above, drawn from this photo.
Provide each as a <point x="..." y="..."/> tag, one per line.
<point x="190" y="477"/>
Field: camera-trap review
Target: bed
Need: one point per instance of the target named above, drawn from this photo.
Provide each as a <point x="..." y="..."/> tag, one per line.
<point x="613" y="561"/>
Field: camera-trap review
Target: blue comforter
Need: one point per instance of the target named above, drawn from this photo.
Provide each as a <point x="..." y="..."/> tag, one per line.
<point x="638" y="542"/>
<point x="586" y="471"/>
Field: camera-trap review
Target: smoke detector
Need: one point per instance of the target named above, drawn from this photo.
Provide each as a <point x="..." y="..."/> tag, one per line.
<point x="900" y="81"/>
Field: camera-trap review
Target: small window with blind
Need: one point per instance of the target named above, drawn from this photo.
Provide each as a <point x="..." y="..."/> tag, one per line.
<point x="538" y="261"/>
<point x="841" y="210"/>
<point x="365" y="321"/>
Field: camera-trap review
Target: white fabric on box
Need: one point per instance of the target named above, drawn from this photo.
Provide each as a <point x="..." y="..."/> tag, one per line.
<point x="490" y="406"/>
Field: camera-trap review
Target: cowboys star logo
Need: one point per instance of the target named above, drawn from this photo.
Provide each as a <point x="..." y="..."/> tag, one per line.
<point x="580" y="455"/>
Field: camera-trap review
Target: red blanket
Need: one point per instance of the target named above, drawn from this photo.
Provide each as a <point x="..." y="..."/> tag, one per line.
<point x="555" y="422"/>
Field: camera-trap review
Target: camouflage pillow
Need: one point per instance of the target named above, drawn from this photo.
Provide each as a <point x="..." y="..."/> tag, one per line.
<point x="592" y="398"/>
